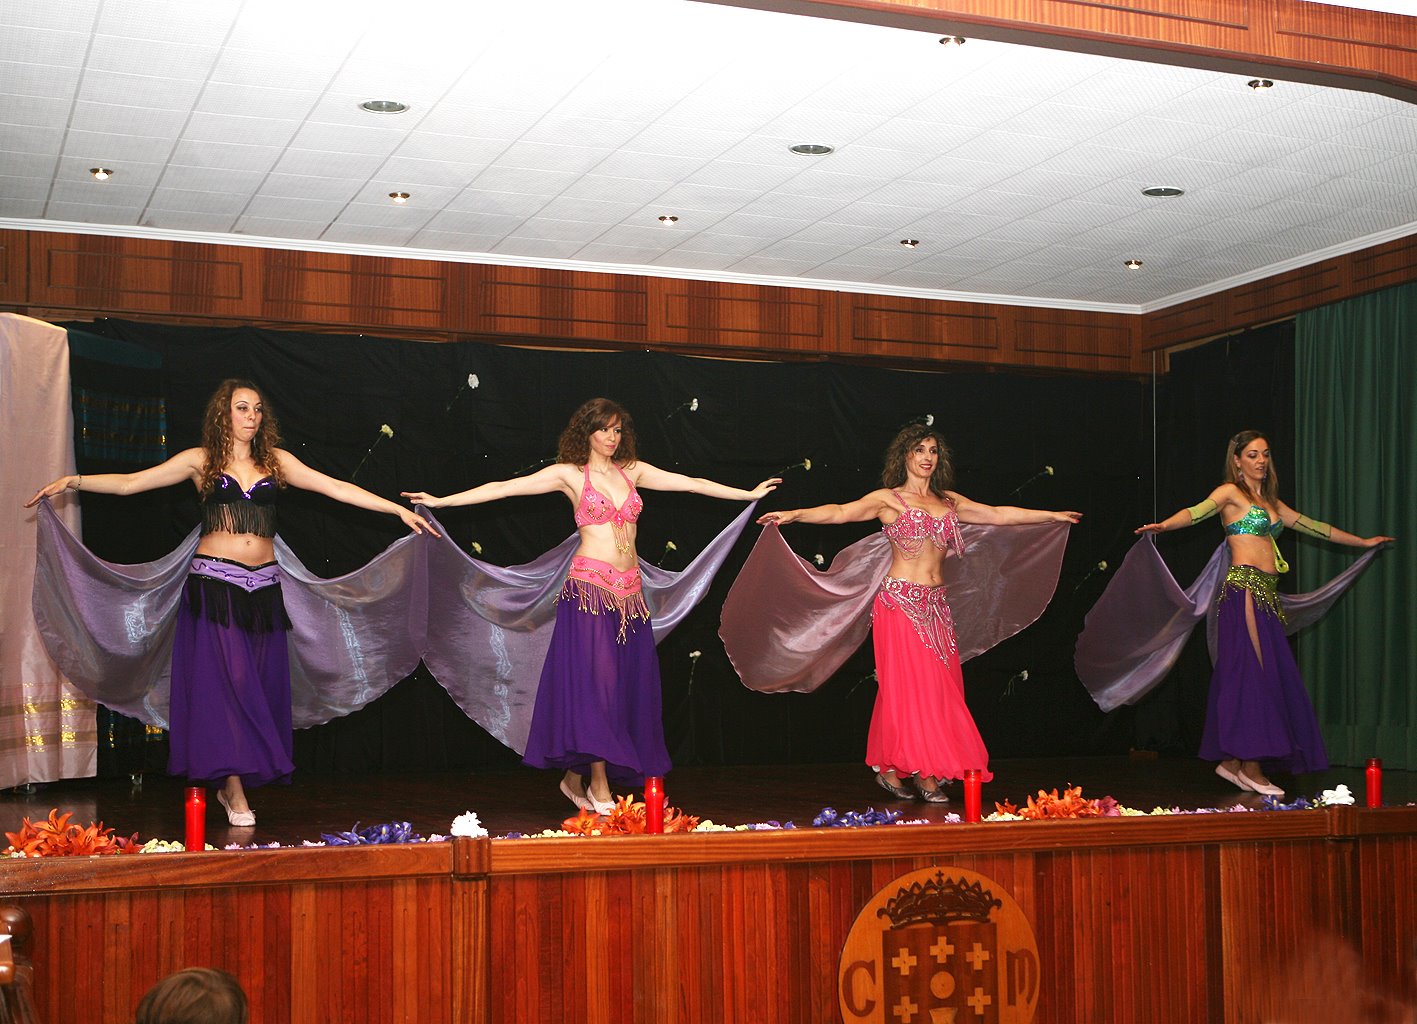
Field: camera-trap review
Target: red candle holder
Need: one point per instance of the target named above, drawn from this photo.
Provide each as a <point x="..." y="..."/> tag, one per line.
<point x="195" y="808"/>
<point x="654" y="804"/>
<point x="972" y="783"/>
<point x="1374" y="776"/>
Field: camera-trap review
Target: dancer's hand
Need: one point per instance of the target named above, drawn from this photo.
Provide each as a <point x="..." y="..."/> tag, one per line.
<point x="1150" y="528"/>
<point x="765" y="488"/>
<point x="49" y="490"/>
<point x="422" y="498"/>
<point x="416" y="522"/>
<point x="1372" y="542"/>
<point x="1067" y="517"/>
<point x="780" y="518"/>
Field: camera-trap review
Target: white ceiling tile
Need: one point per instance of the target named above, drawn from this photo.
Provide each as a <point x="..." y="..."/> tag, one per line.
<point x="627" y="190"/>
<point x="709" y="241"/>
<point x="26" y="187"/>
<point x="162" y="20"/>
<point x="472" y="153"/>
<point x="318" y="163"/>
<point x="727" y="174"/>
<point x="780" y="204"/>
<point x="362" y="234"/>
<point x="207" y="179"/>
<point x="245" y="131"/>
<point x="593" y="132"/>
<point x="519" y="205"/>
<point x="121" y="120"/>
<point x="192" y="59"/>
<point x="630" y="255"/>
<point x="702" y="261"/>
<point x="480" y="122"/>
<point x="760" y="227"/>
<point x="423" y="197"/>
<point x="90" y="192"/>
<point x="470" y="223"/>
<point x="28" y="165"/>
<point x="348" y="139"/>
<point x="963" y="174"/>
<point x="827" y="232"/>
<point x="72" y="15"/>
<point x="50" y="80"/>
<point x="217" y="154"/>
<point x="110" y="150"/>
<point x="185" y="200"/>
<point x="628" y="164"/>
<point x="187" y="220"/>
<point x="696" y="143"/>
<point x="453" y="241"/>
<point x="770" y="267"/>
<point x="131" y="175"/>
<point x="524" y="180"/>
<point x="809" y="253"/>
<point x="544" y="248"/>
<point x="1268" y="182"/>
<point x="44" y="139"/>
<point x="32" y="112"/>
<point x="237" y="66"/>
<point x="590" y="210"/>
<point x="441" y="173"/>
<point x="29" y="45"/>
<point x="561" y="230"/>
<point x="543" y="157"/>
<point x="395" y="222"/>
<point x="280" y="208"/>
<point x="109" y="213"/>
<point x="140" y="90"/>
<point x="21" y="205"/>
<point x="310" y="186"/>
<point x="1395" y="133"/>
<point x="257" y="101"/>
<point x="275" y="228"/>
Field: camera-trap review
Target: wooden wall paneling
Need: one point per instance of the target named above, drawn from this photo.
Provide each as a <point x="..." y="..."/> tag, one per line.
<point x="524" y="301"/>
<point x="922" y="330"/>
<point x="139" y="275"/>
<point x="1383" y="266"/>
<point x="14" y="267"/>
<point x="355" y="291"/>
<point x="708" y="316"/>
<point x="1072" y="340"/>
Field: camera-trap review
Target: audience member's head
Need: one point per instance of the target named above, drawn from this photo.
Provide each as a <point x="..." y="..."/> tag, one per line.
<point x="197" y="995"/>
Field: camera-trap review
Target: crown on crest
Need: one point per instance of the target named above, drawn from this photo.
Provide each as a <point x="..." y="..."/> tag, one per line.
<point x="939" y="900"/>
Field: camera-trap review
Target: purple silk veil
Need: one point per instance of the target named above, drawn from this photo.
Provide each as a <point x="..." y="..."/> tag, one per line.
<point x="481" y="629"/>
<point x="1135" y="632"/>
<point x="489" y="627"/>
<point x="788" y="627"/>
<point x="109" y="627"/>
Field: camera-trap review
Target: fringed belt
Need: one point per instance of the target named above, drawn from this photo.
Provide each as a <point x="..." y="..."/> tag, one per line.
<point x="231" y="593"/>
<point x="1263" y="588"/>
<point x="598" y="587"/>
<point x="928" y="611"/>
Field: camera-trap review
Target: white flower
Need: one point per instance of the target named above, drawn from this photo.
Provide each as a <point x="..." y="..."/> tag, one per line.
<point x="669" y="545"/>
<point x="1023" y="676"/>
<point x="472" y="380"/>
<point x="1048" y="470"/>
<point x="693" y="405"/>
<point x="1102" y="565"/>
<point x="386" y="430"/>
<point x="1337" y="795"/>
<point x="695" y="655"/>
<point x="929" y="419"/>
<point x="476" y="548"/>
<point x="807" y="464"/>
<point x="819" y="558"/>
<point x="467" y="824"/>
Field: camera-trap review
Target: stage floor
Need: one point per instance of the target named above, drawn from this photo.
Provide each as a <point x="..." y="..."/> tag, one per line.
<point x="525" y="800"/>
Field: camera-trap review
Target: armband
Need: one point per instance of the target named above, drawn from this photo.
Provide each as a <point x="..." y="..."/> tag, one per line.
<point x="1204" y="510"/>
<point x="1313" y="527"/>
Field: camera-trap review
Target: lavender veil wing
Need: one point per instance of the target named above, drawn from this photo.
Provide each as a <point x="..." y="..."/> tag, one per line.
<point x="1135" y="632"/>
<point x="788" y="627"/>
<point x="489" y="626"/>
<point x="352" y="637"/>
<point x="108" y="627"/>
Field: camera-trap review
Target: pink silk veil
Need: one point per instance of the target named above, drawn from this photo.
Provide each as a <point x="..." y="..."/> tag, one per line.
<point x="481" y="629"/>
<point x="1135" y="631"/>
<point x="787" y="626"/>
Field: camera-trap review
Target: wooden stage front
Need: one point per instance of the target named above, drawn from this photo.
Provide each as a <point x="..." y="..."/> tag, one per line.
<point x="1186" y="918"/>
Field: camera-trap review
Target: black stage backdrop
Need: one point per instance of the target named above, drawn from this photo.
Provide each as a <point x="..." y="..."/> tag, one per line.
<point x="332" y="394"/>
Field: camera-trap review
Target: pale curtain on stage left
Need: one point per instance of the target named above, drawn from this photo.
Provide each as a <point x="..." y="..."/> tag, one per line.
<point x="47" y="731"/>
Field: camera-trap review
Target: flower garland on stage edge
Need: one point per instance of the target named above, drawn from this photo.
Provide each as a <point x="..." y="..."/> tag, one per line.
<point x="56" y="837"/>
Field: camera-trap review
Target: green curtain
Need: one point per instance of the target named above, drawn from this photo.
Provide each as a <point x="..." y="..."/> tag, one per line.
<point x="1355" y="466"/>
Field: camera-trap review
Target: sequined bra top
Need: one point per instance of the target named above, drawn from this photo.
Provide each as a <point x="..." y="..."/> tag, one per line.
<point x="231" y="508"/>
<point x="595" y="508"/>
<point x="1254" y="523"/>
<point x="913" y="527"/>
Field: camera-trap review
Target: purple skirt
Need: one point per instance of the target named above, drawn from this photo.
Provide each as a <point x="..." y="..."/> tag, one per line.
<point x="1258" y="709"/>
<point x="230" y="711"/>
<point x="599" y="697"/>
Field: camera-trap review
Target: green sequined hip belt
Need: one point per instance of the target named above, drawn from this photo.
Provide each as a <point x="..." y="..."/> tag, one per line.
<point x="1262" y="586"/>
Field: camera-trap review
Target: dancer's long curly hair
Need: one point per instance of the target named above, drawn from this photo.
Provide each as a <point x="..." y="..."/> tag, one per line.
<point x="216" y="435"/>
<point x="893" y="475"/>
<point x="1269" y="487"/>
<point x="574" y="445"/>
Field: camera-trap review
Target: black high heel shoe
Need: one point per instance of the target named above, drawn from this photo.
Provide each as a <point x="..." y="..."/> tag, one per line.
<point x="895" y="790"/>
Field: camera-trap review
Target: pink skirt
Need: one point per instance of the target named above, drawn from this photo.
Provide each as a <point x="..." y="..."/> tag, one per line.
<point x="921" y="724"/>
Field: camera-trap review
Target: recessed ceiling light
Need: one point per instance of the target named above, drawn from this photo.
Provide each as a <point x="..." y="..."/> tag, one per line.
<point x="100" y="173"/>
<point x="952" y="40"/>
<point x="1163" y="191"/>
<point x="910" y="243"/>
<point x="1132" y="264"/>
<point x="811" y="149"/>
<point x="668" y="220"/>
<point x="1260" y="84"/>
<point x="399" y="197"/>
<point x="383" y="106"/>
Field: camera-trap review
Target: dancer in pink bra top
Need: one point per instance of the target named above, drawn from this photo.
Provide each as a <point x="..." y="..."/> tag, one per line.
<point x="921" y="726"/>
<point x="597" y="710"/>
